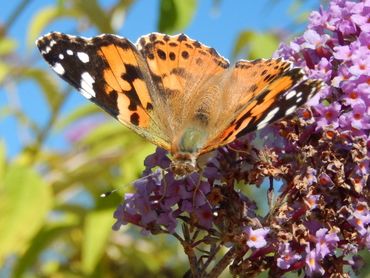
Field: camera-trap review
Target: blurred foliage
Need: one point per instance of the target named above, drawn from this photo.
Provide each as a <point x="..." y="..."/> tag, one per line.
<point x="257" y="45"/>
<point x="53" y="223"/>
<point x="175" y="15"/>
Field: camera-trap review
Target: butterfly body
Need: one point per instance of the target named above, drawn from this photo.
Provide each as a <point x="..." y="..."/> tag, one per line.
<point x="176" y="92"/>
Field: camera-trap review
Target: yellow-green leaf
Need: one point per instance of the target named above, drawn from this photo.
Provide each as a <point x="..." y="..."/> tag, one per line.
<point x="7" y="46"/>
<point x="4" y="70"/>
<point x="25" y="200"/>
<point x="255" y="45"/>
<point x="2" y="159"/>
<point x="98" y="226"/>
<point x="45" y="17"/>
<point x="175" y="15"/>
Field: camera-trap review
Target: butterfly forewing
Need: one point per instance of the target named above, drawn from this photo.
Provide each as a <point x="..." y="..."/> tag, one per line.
<point x="109" y="71"/>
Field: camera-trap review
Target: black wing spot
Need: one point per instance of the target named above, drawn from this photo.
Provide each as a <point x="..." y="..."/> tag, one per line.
<point x="252" y="88"/>
<point x="188" y="45"/>
<point x="142" y="41"/>
<point x="134" y="119"/>
<point x="172" y="56"/>
<point x="149" y="106"/>
<point x="161" y="54"/>
<point x="256" y="61"/>
<point x="166" y="38"/>
<point x="181" y="38"/>
<point x="152" y="37"/>
<point x="185" y="54"/>
<point x="196" y="44"/>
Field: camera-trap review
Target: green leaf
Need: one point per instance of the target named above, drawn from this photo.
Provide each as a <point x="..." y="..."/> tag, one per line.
<point x="175" y="15"/>
<point x="45" y="17"/>
<point x="4" y="70"/>
<point x="94" y="12"/>
<point x="25" y="200"/>
<point x="7" y="46"/>
<point x="39" y="21"/>
<point x="2" y="159"/>
<point x="257" y="45"/>
<point x="39" y="244"/>
<point x="98" y="227"/>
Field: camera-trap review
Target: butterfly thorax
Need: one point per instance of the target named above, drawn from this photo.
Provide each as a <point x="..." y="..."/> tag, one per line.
<point x="186" y="149"/>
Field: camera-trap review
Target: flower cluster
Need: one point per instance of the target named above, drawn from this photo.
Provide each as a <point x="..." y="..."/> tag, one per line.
<point x="321" y="217"/>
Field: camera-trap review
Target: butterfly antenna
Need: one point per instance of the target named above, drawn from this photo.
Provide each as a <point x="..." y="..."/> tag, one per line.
<point x="106" y="194"/>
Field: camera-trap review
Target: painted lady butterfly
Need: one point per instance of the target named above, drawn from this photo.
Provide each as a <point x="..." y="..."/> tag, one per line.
<point x="176" y="92"/>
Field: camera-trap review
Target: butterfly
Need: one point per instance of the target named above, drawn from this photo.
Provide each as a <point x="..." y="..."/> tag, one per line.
<point x="176" y="92"/>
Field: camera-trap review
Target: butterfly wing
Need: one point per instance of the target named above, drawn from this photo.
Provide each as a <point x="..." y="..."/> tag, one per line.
<point x="264" y="92"/>
<point x="183" y="70"/>
<point x="109" y="71"/>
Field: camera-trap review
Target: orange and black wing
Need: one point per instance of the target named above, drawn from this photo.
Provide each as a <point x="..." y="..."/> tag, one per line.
<point x="109" y="71"/>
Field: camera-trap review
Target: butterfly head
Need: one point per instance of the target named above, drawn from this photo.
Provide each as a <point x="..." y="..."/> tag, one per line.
<point x="184" y="164"/>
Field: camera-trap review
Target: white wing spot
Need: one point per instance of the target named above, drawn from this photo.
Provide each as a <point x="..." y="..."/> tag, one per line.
<point x="58" y="68"/>
<point x="290" y="110"/>
<point x="52" y="42"/>
<point x="290" y="94"/>
<point x="268" y="117"/>
<point x="47" y="50"/>
<point x="299" y="100"/>
<point x="84" y="58"/>
<point x="61" y="56"/>
<point x="69" y="52"/>
<point x="87" y="85"/>
<point x="299" y="94"/>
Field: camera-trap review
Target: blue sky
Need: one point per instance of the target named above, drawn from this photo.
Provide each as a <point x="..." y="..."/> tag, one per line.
<point x="215" y="26"/>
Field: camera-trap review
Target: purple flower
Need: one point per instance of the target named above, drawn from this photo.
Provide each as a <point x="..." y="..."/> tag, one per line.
<point x="287" y="257"/>
<point x="359" y="221"/>
<point x="312" y="201"/>
<point x="354" y="93"/>
<point x="256" y="238"/>
<point x="204" y="216"/>
<point x="314" y="40"/>
<point x="325" y="242"/>
<point x="329" y="115"/>
<point x="311" y="176"/>
<point x="159" y="158"/>
<point x="313" y="262"/>
<point x="361" y="66"/>
<point x="367" y="238"/>
<point x="342" y="52"/>
<point x="358" y="118"/>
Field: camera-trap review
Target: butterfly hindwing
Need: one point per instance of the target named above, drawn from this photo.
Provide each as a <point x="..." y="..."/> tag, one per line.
<point x="109" y="71"/>
<point x="269" y="90"/>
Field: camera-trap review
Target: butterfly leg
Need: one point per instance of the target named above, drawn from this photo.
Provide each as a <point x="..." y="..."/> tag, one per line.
<point x="165" y="185"/>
